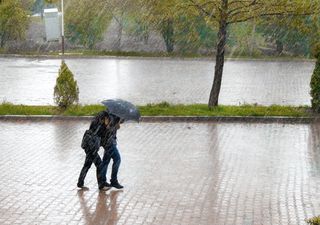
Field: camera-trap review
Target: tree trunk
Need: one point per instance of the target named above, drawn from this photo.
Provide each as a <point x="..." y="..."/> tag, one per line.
<point x="279" y="47"/>
<point x="117" y="43"/>
<point x="252" y="39"/>
<point x="222" y="38"/>
<point x="2" y="41"/>
<point x="167" y="32"/>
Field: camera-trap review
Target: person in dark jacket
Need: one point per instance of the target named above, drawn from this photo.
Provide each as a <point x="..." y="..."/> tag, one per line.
<point x="101" y="121"/>
<point x="109" y="143"/>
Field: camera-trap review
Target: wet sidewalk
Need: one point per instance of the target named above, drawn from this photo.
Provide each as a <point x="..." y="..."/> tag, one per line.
<point x="174" y="173"/>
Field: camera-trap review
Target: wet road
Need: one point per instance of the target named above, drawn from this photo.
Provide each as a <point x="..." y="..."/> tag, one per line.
<point x="174" y="173"/>
<point x="142" y="81"/>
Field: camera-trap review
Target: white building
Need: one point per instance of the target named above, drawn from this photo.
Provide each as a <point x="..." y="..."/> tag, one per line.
<point x="52" y="24"/>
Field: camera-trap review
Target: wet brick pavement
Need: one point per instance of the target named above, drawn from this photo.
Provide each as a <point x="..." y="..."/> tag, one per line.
<point x="174" y="173"/>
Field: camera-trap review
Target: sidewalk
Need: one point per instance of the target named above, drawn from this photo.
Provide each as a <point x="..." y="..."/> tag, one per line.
<point x="174" y="173"/>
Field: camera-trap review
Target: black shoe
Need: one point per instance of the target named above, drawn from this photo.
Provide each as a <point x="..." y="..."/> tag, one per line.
<point x="116" y="185"/>
<point x="80" y="185"/>
<point x="105" y="187"/>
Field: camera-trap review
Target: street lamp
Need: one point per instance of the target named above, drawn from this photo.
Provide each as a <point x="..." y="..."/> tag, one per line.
<point x="62" y="28"/>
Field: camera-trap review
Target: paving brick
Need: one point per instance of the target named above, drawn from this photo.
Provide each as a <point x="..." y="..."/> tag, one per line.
<point x="174" y="173"/>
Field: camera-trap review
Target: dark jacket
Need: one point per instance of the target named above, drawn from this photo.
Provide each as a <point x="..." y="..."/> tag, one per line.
<point x="108" y="133"/>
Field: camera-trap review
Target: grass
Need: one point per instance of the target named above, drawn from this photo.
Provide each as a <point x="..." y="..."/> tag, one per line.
<point x="79" y="110"/>
<point x="166" y="109"/>
<point x="163" y="109"/>
<point x="92" y="53"/>
<point x="97" y="53"/>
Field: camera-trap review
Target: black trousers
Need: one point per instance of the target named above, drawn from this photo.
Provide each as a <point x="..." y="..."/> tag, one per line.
<point x="91" y="157"/>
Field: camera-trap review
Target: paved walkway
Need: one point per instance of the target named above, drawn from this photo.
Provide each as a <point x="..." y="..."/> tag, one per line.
<point x="142" y="81"/>
<point x="174" y="173"/>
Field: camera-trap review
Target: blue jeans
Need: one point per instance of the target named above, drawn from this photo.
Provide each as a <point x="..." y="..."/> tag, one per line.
<point x="110" y="153"/>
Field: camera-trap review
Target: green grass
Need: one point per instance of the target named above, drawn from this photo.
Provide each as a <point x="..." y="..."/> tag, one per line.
<point x="96" y="53"/>
<point x="163" y="109"/>
<point x="10" y="109"/>
<point x="166" y="109"/>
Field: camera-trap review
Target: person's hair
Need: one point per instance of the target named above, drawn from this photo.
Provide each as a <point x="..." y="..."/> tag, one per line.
<point x="114" y="119"/>
<point x="101" y="116"/>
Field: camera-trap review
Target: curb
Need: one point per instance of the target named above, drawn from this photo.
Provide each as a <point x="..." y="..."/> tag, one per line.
<point x="148" y="119"/>
<point x="232" y="119"/>
<point x="80" y="56"/>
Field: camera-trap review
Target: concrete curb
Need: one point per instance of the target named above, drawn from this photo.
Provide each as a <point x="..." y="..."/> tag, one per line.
<point x="247" y="119"/>
<point x="80" y="56"/>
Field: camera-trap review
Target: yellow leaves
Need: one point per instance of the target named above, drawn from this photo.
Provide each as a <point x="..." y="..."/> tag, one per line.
<point x="13" y="21"/>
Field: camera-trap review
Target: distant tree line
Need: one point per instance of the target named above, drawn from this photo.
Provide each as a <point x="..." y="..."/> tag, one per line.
<point x="87" y="20"/>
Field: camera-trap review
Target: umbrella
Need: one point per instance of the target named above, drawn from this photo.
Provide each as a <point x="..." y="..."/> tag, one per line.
<point x="123" y="109"/>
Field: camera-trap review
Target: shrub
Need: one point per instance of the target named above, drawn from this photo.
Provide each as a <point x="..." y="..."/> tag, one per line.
<point x="315" y="86"/>
<point x="314" y="221"/>
<point x="66" y="91"/>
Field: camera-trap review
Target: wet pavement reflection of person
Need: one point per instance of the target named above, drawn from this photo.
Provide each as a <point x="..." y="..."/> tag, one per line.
<point x="106" y="211"/>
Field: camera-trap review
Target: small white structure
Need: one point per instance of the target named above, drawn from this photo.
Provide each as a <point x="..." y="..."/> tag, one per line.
<point x="52" y="24"/>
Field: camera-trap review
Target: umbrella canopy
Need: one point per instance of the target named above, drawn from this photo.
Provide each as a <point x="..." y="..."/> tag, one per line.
<point x="123" y="109"/>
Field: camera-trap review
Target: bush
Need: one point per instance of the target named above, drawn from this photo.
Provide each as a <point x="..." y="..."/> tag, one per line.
<point x="66" y="91"/>
<point x="314" y="221"/>
<point x="315" y="86"/>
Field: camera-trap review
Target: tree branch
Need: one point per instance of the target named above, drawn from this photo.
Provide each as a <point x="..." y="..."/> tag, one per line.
<point x="202" y="9"/>
<point x="270" y="14"/>
<point x="252" y="3"/>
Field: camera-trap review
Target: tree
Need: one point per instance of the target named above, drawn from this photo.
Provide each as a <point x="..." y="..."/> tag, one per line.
<point x="86" y="23"/>
<point x="192" y="34"/>
<point x="162" y="16"/>
<point x="120" y="10"/>
<point x="66" y="91"/>
<point x="13" y="20"/>
<point x="136" y="27"/>
<point x="295" y="34"/>
<point x="38" y="6"/>
<point x="223" y="13"/>
<point x="243" y="39"/>
<point x="315" y="82"/>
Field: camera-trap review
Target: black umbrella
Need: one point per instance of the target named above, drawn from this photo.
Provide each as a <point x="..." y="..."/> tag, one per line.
<point x="123" y="109"/>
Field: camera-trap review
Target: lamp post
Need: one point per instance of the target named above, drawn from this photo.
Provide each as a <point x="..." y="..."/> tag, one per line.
<point x="62" y="28"/>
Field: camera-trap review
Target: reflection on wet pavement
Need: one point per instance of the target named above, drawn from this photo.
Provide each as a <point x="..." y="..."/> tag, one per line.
<point x="142" y="81"/>
<point x="106" y="209"/>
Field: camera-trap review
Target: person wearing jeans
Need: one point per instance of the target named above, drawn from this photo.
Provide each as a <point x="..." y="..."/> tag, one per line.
<point x="111" y="151"/>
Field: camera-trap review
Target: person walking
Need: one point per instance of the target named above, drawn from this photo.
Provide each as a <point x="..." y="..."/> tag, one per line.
<point x="98" y="125"/>
<point x="109" y="143"/>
